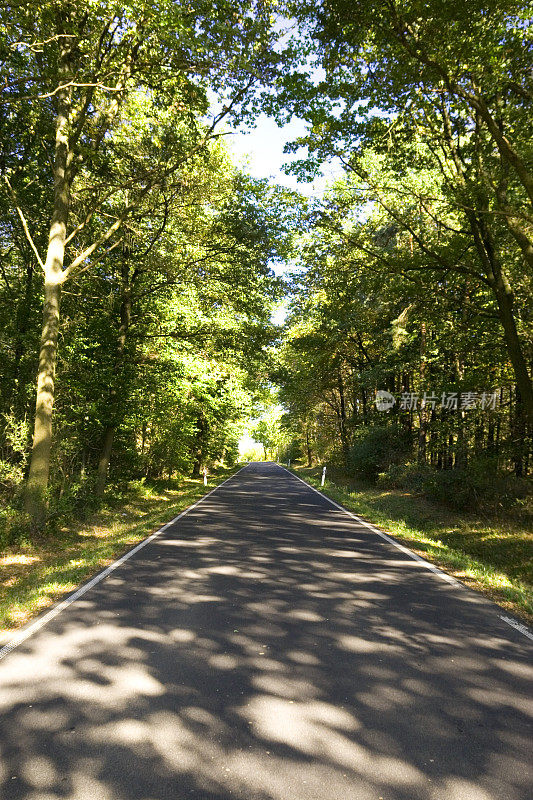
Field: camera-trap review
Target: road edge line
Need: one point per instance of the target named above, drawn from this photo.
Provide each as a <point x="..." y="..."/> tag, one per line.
<point x="32" y="627"/>
<point x="518" y="626"/>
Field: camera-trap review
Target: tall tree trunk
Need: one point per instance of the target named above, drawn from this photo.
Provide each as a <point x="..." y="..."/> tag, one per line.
<point x="461" y="455"/>
<point x="422" y="414"/>
<point x="197" y="466"/>
<point x="407" y="419"/>
<point x="451" y="450"/>
<point x="105" y="458"/>
<point x="308" y="446"/>
<point x="342" y="423"/>
<point x="35" y="501"/>
<point x="486" y="248"/>
<point x="433" y="438"/>
<point x="364" y="405"/>
<point x="39" y="471"/>
<point x="199" y="446"/>
<point x="114" y="404"/>
<point x="499" y="431"/>
<point x="504" y="298"/>
<point x="518" y="434"/>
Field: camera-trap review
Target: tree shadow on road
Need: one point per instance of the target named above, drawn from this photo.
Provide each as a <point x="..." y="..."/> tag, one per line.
<point x="245" y="655"/>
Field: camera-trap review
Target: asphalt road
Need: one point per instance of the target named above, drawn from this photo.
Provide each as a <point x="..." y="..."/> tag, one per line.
<point x="268" y="647"/>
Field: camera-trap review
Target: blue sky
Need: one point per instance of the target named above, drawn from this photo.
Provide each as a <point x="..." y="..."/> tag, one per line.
<point x="259" y="151"/>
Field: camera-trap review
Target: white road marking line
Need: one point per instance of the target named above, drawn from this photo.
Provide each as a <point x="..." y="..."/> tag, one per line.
<point x="361" y="521"/>
<point x="518" y="626"/>
<point x="513" y="623"/>
<point x="40" y="622"/>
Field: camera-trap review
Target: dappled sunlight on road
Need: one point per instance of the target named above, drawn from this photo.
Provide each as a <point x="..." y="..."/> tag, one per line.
<point x="242" y="655"/>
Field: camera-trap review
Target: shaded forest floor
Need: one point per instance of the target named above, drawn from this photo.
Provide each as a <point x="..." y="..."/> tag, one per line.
<point x="490" y="554"/>
<point x="34" y="574"/>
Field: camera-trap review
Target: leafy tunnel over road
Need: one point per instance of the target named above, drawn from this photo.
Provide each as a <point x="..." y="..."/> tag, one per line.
<point x="268" y="647"/>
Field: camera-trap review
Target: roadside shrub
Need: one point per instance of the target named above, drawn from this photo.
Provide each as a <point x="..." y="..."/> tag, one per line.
<point x="15" y="527"/>
<point x="480" y="485"/>
<point x="452" y="488"/>
<point x="375" y="450"/>
<point x="76" y="497"/>
<point x="11" y="477"/>
<point x="410" y="477"/>
<point x="13" y="457"/>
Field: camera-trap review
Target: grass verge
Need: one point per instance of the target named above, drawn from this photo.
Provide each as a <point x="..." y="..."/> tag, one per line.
<point x="493" y="556"/>
<point x="35" y="574"/>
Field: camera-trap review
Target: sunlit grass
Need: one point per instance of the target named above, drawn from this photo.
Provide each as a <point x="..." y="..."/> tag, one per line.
<point x="493" y="556"/>
<point x="34" y="575"/>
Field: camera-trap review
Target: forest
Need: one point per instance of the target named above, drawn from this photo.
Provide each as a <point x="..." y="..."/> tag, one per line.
<point x="137" y="280"/>
<point x="407" y="352"/>
<point x="140" y="266"/>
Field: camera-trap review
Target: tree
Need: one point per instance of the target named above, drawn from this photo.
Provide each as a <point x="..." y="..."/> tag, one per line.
<point x="454" y="77"/>
<point x="80" y="66"/>
<point x="365" y="316"/>
<point x="267" y="432"/>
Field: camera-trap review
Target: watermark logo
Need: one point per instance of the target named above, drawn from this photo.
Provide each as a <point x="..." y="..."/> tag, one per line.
<point x="448" y="401"/>
<point x="384" y="400"/>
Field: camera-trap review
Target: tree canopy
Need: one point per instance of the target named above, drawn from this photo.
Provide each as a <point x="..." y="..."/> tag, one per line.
<point x="136" y="270"/>
<point x="415" y="272"/>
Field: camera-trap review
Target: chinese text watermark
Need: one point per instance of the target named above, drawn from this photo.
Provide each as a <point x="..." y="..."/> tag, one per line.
<point x="448" y="401"/>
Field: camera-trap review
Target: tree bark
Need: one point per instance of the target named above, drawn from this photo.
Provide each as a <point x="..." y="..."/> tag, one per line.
<point x="507" y="150"/>
<point x="342" y="423"/>
<point x="364" y="405"/>
<point x="35" y="501"/>
<point x="504" y="298"/>
<point x="518" y="434"/>
<point x="199" y="445"/>
<point x="488" y="255"/>
<point x="35" y="496"/>
<point x="308" y="447"/>
<point x="114" y="409"/>
<point x="105" y="458"/>
<point x="422" y="414"/>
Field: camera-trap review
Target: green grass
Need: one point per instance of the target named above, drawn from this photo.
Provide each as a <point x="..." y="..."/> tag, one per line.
<point x="35" y="574"/>
<point x="491" y="555"/>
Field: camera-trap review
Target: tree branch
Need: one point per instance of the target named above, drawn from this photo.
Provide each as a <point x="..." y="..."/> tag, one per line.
<point x="24" y="223"/>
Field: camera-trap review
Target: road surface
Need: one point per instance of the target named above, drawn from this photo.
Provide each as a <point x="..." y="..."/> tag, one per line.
<point x="266" y="646"/>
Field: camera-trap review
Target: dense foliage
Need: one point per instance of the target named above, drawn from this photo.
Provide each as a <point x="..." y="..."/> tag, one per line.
<point x="136" y="266"/>
<point x="136" y="276"/>
<point x="416" y="271"/>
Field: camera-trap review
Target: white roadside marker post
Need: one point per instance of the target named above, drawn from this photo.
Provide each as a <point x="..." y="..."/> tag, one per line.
<point x="205" y="477"/>
<point x="323" y="476"/>
<point x="289" y="463"/>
